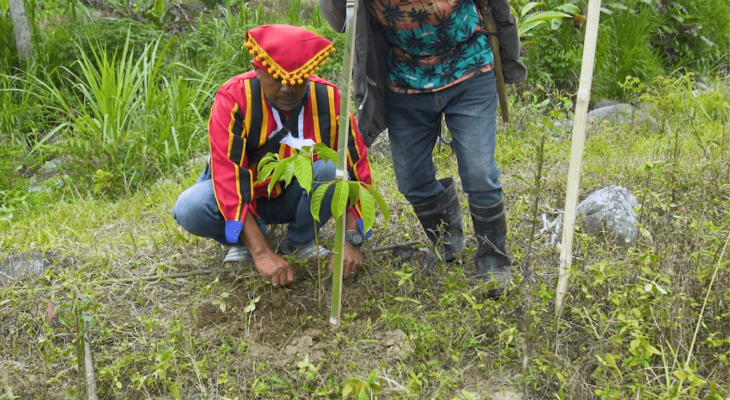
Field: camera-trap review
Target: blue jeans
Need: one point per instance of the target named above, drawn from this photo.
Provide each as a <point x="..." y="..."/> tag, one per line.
<point x="414" y="123"/>
<point x="197" y="211"/>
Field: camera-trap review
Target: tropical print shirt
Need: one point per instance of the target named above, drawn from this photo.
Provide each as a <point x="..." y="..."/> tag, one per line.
<point x="434" y="43"/>
<point x="240" y="123"/>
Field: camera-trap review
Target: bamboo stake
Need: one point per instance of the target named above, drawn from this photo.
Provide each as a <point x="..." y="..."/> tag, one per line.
<point x="91" y="391"/>
<point x="576" y="151"/>
<point x="351" y="10"/>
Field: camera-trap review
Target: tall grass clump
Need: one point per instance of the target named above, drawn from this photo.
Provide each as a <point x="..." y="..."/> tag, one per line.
<point x="624" y="49"/>
<point x="134" y="117"/>
<point x="7" y="40"/>
<point x="125" y="117"/>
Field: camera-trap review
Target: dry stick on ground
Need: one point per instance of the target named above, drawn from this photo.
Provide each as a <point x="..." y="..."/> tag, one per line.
<point x="210" y="271"/>
<point x="91" y="392"/>
<point x="576" y="151"/>
<point x="157" y="277"/>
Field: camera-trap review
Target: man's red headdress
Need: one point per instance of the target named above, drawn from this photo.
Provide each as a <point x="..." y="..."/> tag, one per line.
<point x="287" y="52"/>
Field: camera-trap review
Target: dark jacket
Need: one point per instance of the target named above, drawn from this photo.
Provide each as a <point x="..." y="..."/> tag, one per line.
<point x="371" y="58"/>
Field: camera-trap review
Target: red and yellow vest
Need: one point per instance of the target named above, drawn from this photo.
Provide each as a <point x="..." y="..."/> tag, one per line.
<point x="240" y="123"/>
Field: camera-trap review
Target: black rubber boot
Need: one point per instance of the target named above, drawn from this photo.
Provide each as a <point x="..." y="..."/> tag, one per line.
<point x="443" y="208"/>
<point x="492" y="260"/>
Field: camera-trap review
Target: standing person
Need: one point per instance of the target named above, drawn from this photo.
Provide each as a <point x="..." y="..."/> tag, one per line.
<point x="277" y="106"/>
<point x="420" y="61"/>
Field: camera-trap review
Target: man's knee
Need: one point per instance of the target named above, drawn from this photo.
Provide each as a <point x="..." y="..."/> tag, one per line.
<point x="185" y="210"/>
<point x="193" y="212"/>
<point x="323" y="171"/>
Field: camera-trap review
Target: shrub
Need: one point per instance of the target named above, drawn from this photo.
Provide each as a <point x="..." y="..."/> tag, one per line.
<point x="624" y="49"/>
<point x="636" y="38"/>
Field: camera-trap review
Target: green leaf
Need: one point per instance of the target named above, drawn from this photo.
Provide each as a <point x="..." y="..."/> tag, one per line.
<point x="372" y="377"/>
<point x="266" y="171"/>
<point x="159" y="7"/>
<point x="529" y="6"/>
<point x="367" y="205"/>
<point x="354" y="192"/>
<point x="610" y="360"/>
<point x="347" y="390"/>
<point x="339" y="200"/>
<point x="555" y="24"/>
<point x="381" y="202"/>
<point x="545" y="16"/>
<point x="288" y="174"/>
<point x="303" y="171"/>
<point x="252" y="305"/>
<point x="569" y="8"/>
<point x="616" y="5"/>
<point x="317" y="197"/>
<point x="325" y="153"/>
<point x="363" y="395"/>
<point x="280" y="169"/>
<point x="527" y="26"/>
<point x="651" y="349"/>
<point x="267" y="159"/>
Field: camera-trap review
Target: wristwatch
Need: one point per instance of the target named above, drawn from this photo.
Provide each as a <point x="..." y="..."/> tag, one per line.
<point x="354" y="238"/>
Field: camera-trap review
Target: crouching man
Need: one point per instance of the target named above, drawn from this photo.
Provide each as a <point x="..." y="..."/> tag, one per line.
<point x="277" y="106"/>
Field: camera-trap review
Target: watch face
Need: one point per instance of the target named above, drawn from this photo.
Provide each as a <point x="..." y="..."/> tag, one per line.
<point x="354" y="238"/>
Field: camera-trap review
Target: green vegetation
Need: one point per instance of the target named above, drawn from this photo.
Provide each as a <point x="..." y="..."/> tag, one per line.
<point x="121" y="109"/>
<point x="639" y="38"/>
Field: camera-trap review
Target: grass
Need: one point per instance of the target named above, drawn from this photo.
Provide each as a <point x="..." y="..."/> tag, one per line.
<point x="648" y="323"/>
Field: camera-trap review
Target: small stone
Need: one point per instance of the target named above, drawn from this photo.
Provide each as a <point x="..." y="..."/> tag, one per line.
<point x="29" y="263"/>
<point x="50" y="168"/>
<point x="381" y="145"/>
<point x="312" y="332"/>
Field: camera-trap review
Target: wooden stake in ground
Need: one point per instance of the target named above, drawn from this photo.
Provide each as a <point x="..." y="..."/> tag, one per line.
<point x="491" y="27"/>
<point x="91" y="391"/>
<point x="341" y="173"/>
<point x="576" y="151"/>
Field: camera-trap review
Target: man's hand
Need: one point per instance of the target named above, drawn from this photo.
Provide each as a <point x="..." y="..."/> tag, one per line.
<point x="273" y="266"/>
<point x="351" y="263"/>
<point x="269" y="264"/>
<point x="352" y="258"/>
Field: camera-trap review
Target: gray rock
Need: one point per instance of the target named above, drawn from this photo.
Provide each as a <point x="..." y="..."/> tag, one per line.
<point x="504" y="393"/>
<point x="611" y="207"/>
<point x="50" y="168"/>
<point x="380" y="146"/>
<point x="605" y="103"/>
<point x="29" y="263"/>
<point x="700" y="86"/>
<point x="620" y="114"/>
<point x="498" y="392"/>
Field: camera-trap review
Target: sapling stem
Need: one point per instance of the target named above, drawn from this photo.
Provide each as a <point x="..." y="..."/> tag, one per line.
<point x="342" y="159"/>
